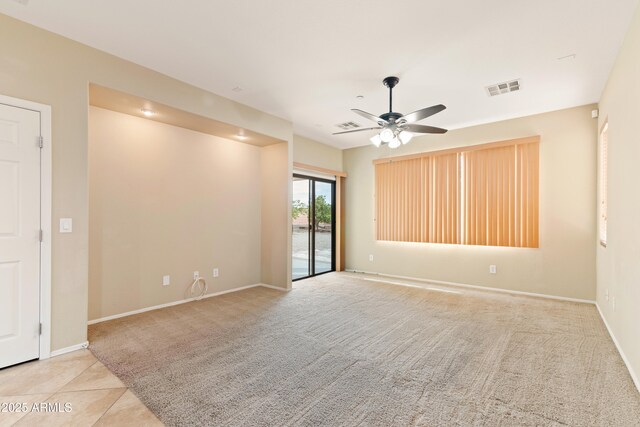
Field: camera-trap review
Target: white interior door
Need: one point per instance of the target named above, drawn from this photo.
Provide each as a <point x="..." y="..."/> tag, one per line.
<point x="19" y="235"/>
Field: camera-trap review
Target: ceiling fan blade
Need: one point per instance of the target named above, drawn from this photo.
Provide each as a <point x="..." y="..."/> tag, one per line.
<point x="423" y="114"/>
<point x="424" y="129"/>
<point x="369" y="116"/>
<point x="354" y="130"/>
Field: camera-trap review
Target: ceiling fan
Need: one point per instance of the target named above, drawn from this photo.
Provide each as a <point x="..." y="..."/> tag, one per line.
<point x="395" y="128"/>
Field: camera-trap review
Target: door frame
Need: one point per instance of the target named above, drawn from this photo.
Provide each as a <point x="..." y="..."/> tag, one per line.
<point x="311" y="216"/>
<point x="45" y="215"/>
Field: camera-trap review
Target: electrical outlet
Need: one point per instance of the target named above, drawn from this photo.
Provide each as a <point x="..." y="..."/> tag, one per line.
<point x="196" y="275"/>
<point x="493" y="269"/>
<point x="166" y="280"/>
<point x="66" y="225"/>
<point x="216" y="272"/>
<point x="606" y="294"/>
<point x="371" y="258"/>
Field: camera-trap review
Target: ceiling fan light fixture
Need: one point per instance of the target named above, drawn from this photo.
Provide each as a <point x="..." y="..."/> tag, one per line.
<point x="395" y="143"/>
<point x="405" y="136"/>
<point x="376" y="140"/>
<point x="386" y="135"/>
<point x="396" y="129"/>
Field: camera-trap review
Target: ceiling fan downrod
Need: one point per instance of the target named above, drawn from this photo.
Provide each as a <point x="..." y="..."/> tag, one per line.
<point x="391" y="82"/>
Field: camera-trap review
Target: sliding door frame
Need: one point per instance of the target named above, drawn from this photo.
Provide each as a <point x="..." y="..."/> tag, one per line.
<point x="311" y="261"/>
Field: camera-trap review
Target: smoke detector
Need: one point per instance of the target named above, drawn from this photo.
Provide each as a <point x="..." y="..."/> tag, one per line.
<point x="505" y="87"/>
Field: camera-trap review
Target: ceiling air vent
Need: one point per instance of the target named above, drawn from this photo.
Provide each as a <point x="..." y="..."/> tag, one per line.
<point x="506" y="87"/>
<point x="348" y="125"/>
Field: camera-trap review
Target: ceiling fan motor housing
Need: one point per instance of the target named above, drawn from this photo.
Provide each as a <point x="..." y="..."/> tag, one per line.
<point x="391" y="117"/>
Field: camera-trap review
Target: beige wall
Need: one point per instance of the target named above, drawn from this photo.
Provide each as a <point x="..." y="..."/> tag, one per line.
<point x="619" y="263"/>
<point x="564" y="265"/>
<point x="164" y="200"/>
<point x="276" y="215"/>
<point x="314" y="153"/>
<point x="39" y="66"/>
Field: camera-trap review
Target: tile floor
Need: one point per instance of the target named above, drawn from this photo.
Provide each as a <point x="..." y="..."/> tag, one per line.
<point x="95" y="396"/>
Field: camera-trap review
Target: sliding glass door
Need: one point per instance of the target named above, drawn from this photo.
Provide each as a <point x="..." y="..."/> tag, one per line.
<point x="323" y="226"/>
<point x="301" y="236"/>
<point x="313" y="213"/>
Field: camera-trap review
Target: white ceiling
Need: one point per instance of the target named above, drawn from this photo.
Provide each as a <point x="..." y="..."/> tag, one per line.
<point x="307" y="60"/>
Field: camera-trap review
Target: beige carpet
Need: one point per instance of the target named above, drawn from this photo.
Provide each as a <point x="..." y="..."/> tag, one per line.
<point x="343" y="351"/>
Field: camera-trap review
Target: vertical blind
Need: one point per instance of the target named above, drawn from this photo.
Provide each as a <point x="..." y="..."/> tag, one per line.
<point x="482" y="195"/>
<point x="446" y="191"/>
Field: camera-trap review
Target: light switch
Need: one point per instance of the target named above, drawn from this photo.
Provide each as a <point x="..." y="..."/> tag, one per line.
<point x="66" y="225"/>
<point x="166" y="280"/>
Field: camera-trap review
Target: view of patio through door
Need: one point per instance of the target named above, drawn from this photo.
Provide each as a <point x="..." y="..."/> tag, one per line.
<point x="313" y="212"/>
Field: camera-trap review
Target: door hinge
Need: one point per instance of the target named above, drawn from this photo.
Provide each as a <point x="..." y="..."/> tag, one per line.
<point x="40" y="329"/>
<point x="40" y="141"/>
<point x="40" y="235"/>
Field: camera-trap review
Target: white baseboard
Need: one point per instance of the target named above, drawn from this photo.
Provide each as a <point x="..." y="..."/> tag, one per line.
<point x="481" y="288"/>
<point x="170" y="304"/>
<point x="70" y="349"/>
<point x="634" y="377"/>
<point x="277" y="288"/>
